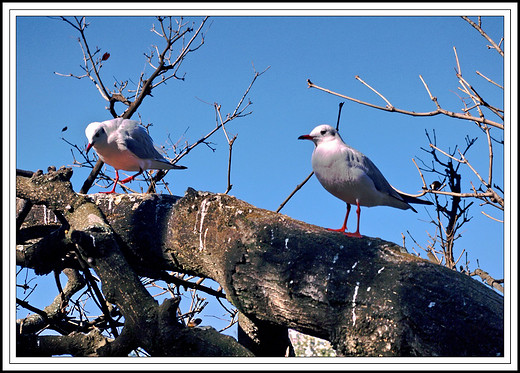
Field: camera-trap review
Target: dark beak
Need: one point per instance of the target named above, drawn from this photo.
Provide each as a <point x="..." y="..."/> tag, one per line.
<point x="305" y="137"/>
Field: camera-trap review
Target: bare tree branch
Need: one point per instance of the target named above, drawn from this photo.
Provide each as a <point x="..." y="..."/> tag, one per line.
<point x="412" y="113"/>
<point x="239" y="112"/>
<point x="481" y="31"/>
<point x="268" y="267"/>
<point x="153" y="327"/>
<point x="162" y="67"/>
<point x="489" y="80"/>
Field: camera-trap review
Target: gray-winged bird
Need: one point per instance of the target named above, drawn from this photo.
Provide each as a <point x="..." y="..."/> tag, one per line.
<point x="125" y="145"/>
<point x="350" y="176"/>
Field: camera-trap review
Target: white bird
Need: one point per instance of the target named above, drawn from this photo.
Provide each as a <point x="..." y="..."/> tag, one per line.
<point x="125" y="145"/>
<point x="350" y="176"/>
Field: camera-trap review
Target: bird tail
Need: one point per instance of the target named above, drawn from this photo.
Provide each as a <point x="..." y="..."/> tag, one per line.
<point x="175" y="167"/>
<point x="411" y="199"/>
<point x="160" y="164"/>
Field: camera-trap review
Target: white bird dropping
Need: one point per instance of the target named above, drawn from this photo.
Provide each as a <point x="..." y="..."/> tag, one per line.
<point x="350" y="176"/>
<point x="125" y="145"/>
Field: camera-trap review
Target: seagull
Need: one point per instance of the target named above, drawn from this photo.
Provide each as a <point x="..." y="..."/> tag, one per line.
<point x="350" y="176"/>
<point x="125" y="145"/>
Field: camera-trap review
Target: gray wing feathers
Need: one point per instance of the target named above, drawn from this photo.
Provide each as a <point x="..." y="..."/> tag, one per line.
<point x="384" y="186"/>
<point x="379" y="180"/>
<point x="137" y="140"/>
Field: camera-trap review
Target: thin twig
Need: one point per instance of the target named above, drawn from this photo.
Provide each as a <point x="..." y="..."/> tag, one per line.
<point x="229" y="185"/>
<point x="433" y="98"/>
<point x="420" y="173"/>
<point x="492" y="218"/>
<point x="237" y="113"/>
<point x="148" y="84"/>
<point x="389" y="105"/>
<point x="169" y="278"/>
<point x="230" y="144"/>
<point x="459" y="71"/>
<point x="465" y="160"/>
<point x="489" y="80"/>
<point x="479" y="29"/>
<point x="298" y="187"/>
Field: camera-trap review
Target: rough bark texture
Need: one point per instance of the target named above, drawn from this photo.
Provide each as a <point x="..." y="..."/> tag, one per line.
<point x="367" y="296"/>
<point x="148" y="325"/>
<point x="264" y="338"/>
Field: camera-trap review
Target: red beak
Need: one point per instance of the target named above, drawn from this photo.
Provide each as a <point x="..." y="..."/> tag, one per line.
<point x="88" y="147"/>
<point x="305" y="137"/>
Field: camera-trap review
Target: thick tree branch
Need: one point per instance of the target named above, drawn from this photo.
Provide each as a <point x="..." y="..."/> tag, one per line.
<point x="153" y="327"/>
<point x="75" y="344"/>
<point x="367" y="296"/>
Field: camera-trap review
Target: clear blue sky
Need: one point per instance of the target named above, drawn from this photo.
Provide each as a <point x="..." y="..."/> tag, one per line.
<point x="389" y="53"/>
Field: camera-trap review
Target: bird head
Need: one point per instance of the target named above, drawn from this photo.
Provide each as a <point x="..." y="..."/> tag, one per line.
<point x="320" y="134"/>
<point x="96" y="134"/>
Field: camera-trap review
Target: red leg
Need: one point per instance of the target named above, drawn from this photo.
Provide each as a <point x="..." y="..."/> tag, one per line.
<point x="356" y="233"/>
<point x="344" y="227"/>
<point x="124" y="181"/>
<point x="115" y="184"/>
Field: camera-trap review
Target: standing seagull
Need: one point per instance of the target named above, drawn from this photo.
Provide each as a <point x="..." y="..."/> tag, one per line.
<point x="125" y="145"/>
<point x="350" y="176"/>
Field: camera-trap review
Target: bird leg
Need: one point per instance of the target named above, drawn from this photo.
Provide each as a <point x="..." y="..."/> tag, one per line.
<point x="356" y="233"/>
<point x="344" y="227"/>
<point x="124" y="181"/>
<point x="115" y="184"/>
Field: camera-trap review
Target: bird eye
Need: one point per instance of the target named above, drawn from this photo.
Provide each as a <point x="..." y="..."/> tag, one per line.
<point x="323" y="132"/>
<point x="96" y="135"/>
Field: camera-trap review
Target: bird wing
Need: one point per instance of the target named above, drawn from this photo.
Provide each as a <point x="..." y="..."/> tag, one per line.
<point x="137" y="140"/>
<point x="378" y="179"/>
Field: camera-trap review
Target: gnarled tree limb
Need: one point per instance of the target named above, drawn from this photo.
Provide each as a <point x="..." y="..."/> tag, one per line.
<point x="148" y="325"/>
<point x="367" y="296"/>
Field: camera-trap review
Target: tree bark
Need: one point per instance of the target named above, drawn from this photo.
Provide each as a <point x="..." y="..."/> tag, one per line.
<point x="264" y="338"/>
<point x="367" y="296"/>
<point x="148" y="325"/>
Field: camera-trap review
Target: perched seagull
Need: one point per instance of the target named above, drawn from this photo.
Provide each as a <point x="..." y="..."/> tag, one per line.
<point x="350" y="176"/>
<point x="125" y="145"/>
